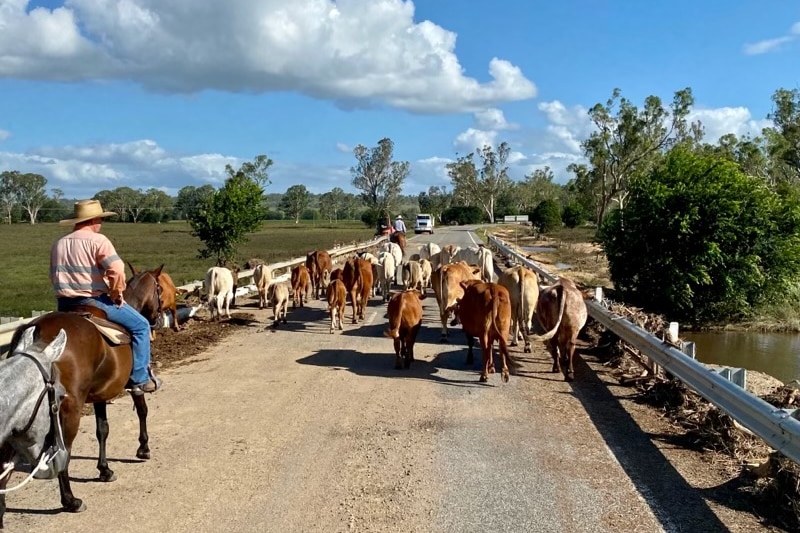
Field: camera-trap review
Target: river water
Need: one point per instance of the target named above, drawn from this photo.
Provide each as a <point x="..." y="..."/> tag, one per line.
<point x="776" y="354"/>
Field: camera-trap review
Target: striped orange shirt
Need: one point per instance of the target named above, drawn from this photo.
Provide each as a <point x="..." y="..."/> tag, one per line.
<point x="85" y="263"/>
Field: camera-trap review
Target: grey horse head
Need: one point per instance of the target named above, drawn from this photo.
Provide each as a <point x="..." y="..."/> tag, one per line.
<point x="22" y="383"/>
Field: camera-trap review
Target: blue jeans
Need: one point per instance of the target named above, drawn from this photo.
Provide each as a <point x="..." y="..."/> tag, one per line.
<point x="130" y="319"/>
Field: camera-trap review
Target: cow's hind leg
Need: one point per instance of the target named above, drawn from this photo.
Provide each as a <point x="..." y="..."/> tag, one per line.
<point x="552" y="347"/>
<point x="101" y="422"/>
<point x="503" y="349"/>
<point x="569" y="353"/>
<point x="486" y="354"/>
<point x="143" y="452"/>
<point x="398" y="353"/>
<point x="470" y="354"/>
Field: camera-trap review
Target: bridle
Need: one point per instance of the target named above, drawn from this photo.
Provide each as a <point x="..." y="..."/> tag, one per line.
<point x="54" y="455"/>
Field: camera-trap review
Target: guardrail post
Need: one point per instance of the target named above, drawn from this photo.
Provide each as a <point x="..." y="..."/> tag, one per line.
<point x="689" y="348"/>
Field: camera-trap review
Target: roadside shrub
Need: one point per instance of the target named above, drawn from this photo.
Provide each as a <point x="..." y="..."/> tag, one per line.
<point x="573" y="215"/>
<point x="370" y="217"/>
<point x="546" y="217"/>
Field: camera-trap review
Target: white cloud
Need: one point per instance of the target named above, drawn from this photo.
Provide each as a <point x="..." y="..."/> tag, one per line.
<point x="765" y="46"/>
<point x="4" y="134"/>
<point x="723" y="120"/>
<point x="772" y="45"/>
<point x="344" y="148"/>
<point x="359" y="53"/>
<point x="567" y="126"/>
<point x="472" y="139"/>
<point x="493" y="119"/>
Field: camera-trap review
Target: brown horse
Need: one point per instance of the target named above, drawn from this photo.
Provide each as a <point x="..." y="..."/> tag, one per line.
<point x="92" y="370"/>
<point x="400" y="238"/>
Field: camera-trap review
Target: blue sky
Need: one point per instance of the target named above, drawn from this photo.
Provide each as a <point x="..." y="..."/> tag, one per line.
<point x="98" y="94"/>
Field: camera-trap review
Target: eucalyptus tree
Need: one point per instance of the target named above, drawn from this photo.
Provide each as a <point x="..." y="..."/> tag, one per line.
<point x="483" y="183"/>
<point x="378" y="176"/>
<point x="295" y="200"/>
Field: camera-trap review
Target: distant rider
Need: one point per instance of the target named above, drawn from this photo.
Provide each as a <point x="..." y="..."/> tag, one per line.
<point x="399" y="225"/>
<point x="80" y="264"/>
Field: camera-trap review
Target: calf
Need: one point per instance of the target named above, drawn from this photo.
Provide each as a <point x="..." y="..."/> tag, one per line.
<point x="219" y="287"/>
<point x="561" y="307"/>
<point x="262" y="276"/>
<point x="523" y="286"/>
<point x="412" y="275"/>
<point x="426" y="271"/>
<point x="300" y="285"/>
<point x="278" y="295"/>
<point x="405" y="319"/>
<point x="446" y="281"/>
<point x="337" y="300"/>
<point x="485" y="312"/>
<point x="337" y="274"/>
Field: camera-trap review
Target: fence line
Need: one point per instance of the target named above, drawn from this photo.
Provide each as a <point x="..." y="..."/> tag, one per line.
<point x="777" y="427"/>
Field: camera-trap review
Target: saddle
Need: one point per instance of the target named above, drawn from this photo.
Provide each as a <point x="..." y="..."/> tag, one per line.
<point x="112" y="332"/>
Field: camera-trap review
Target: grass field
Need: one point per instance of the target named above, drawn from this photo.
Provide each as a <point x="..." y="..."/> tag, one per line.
<point x="26" y="283"/>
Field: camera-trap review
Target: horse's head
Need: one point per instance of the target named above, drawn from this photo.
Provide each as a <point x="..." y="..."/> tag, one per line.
<point x="143" y="293"/>
<point x="25" y="378"/>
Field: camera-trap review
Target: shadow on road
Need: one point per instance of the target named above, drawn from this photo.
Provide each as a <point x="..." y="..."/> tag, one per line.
<point x="675" y="503"/>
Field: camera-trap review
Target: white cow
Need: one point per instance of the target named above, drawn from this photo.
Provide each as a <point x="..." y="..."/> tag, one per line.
<point x="412" y="276"/>
<point x="478" y="255"/>
<point x="219" y="288"/>
<point x="388" y="271"/>
<point x="425" y="268"/>
<point x="428" y="250"/>
<point x="445" y="256"/>
<point x="397" y="253"/>
<point x="262" y="276"/>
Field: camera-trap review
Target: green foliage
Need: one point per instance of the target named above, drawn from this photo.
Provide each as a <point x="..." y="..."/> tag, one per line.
<point x="546" y="217"/>
<point x="573" y="215"/>
<point x="435" y="201"/>
<point x="481" y="184"/>
<point x="701" y="241"/>
<point x="377" y="176"/>
<point x="295" y="201"/>
<point x="463" y="214"/>
<point x="370" y="217"/>
<point x="224" y="218"/>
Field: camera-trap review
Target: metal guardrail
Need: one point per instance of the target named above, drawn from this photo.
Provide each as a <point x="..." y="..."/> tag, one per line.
<point x="775" y="426"/>
<point x="7" y="329"/>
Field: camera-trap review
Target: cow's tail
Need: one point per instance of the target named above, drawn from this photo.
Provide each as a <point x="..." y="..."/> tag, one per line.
<point x="562" y="305"/>
<point x="394" y="327"/>
<point x="502" y="339"/>
<point x="520" y="310"/>
<point x="212" y="284"/>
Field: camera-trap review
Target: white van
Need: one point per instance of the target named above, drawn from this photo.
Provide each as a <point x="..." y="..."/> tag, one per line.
<point x="424" y="224"/>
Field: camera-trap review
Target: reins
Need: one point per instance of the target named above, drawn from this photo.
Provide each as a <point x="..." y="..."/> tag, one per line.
<point x="48" y="453"/>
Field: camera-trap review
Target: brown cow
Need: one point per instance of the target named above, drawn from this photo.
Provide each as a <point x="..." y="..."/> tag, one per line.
<point x="405" y="319"/>
<point x="278" y="295"/>
<point x="337" y="274"/>
<point x="485" y="312"/>
<point x="446" y="281"/>
<point x="169" y="294"/>
<point x="337" y="300"/>
<point x="561" y="307"/>
<point x="319" y="266"/>
<point x="365" y="268"/>
<point x="300" y="285"/>
<point x="523" y="286"/>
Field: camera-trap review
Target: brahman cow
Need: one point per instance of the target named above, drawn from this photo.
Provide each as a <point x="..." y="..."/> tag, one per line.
<point x="445" y="256"/>
<point x="477" y="255"/>
<point x="412" y="276"/>
<point x="523" y="286"/>
<point x="446" y="281"/>
<point x="387" y="273"/>
<point x="561" y="308"/>
<point x="219" y="287"/>
<point x="426" y="251"/>
<point x="319" y="266"/>
<point x="262" y="277"/>
<point x="396" y="252"/>
<point x="485" y="312"/>
<point x="337" y="301"/>
<point x="405" y="319"/>
<point x="426" y="270"/>
<point x="301" y="282"/>
<point x="278" y="295"/>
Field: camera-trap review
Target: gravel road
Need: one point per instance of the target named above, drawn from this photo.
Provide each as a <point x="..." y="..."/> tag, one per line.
<point x="300" y="430"/>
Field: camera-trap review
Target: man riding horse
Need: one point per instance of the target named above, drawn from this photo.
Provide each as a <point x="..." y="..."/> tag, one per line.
<point x="80" y="264"/>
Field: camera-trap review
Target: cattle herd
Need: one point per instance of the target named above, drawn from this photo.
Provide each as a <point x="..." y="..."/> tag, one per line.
<point x="514" y="308"/>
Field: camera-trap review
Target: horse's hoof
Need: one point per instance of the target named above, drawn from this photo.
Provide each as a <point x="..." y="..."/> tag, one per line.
<point x="108" y="476"/>
<point x="77" y="506"/>
<point x="484" y="378"/>
<point x="143" y="454"/>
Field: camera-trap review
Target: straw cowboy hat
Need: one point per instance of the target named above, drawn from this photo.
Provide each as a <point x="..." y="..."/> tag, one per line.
<point x="86" y="210"/>
<point x="400" y="217"/>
